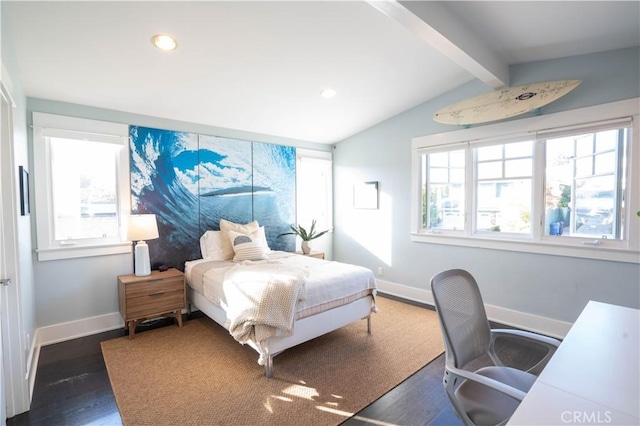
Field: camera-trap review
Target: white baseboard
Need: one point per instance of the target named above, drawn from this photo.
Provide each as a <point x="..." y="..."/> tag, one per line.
<point x="405" y="292"/>
<point x="522" y="320"/>
<point x="73" y="329"/>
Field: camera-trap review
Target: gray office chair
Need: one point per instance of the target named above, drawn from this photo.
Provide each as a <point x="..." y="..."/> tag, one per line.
<point x="489" y="395"/>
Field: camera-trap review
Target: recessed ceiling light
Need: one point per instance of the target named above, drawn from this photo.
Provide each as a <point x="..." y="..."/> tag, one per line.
<point x="164" y="42"/>
<point x="328" y="93"/>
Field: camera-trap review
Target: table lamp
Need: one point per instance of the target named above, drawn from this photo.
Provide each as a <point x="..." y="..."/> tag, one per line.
<point x="141" y="227"/>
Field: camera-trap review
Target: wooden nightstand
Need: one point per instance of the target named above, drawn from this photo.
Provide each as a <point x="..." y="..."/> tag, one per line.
<point x="156" y="295"/>
<point x="316" y="254"/>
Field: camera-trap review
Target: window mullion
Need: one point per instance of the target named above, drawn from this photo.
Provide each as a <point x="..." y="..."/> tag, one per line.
<point x="619" y="177"/>
<point x="538" y="191"/>
<point x="470" y="191"/>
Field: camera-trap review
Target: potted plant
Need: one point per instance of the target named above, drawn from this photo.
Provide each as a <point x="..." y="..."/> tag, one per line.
<point x="304" y="235"/>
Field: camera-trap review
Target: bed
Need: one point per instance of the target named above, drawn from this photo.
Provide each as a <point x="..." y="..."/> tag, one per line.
<point x="324" y="296"/>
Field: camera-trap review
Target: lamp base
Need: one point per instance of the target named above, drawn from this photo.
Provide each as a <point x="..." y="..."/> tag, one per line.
<point x="142" y="262"/>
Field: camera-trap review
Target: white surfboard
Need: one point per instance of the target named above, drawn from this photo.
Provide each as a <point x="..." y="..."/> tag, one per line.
<point x="504" y="103"/>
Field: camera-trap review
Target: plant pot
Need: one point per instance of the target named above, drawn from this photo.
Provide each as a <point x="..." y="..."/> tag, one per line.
<point x="305" y="247"/>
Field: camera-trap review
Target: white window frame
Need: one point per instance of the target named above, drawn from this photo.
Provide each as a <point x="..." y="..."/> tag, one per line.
<point x="46" y="126"/>
<point x="627" y="250"/>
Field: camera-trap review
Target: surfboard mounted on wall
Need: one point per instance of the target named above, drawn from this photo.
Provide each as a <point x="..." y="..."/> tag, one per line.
<point x="504" y="103"/>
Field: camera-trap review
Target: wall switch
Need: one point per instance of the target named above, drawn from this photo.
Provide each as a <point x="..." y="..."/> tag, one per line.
<point x="380" y="271"/>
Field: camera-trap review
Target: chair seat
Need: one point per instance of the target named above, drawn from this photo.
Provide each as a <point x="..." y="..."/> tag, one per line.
<point x="486" y="406"/>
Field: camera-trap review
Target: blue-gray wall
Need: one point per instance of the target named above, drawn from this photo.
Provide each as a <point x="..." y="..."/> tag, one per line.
<point x="548" y="286"/>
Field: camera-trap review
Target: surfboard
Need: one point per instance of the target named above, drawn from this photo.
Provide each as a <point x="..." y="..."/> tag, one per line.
<point x="504" y="103"/>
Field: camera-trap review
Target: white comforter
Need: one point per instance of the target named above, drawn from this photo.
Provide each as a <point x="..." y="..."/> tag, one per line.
<point x="328" y="284"/>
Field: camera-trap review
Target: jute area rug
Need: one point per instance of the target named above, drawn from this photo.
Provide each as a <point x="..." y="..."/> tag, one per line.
<point x="199" y="375"/>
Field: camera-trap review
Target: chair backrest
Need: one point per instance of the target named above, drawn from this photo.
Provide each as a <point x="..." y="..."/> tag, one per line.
<point x="462" y="316"/>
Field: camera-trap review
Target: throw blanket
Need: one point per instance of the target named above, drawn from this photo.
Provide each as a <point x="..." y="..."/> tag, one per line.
<point x="262" y="298"/>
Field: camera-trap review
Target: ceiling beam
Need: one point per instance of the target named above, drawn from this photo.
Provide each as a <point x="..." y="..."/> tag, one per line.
<point x="434" y="24"/>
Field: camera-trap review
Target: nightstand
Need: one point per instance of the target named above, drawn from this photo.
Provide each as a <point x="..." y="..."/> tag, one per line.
<point x="156" y="295"/>
<point x="316" y="254"/>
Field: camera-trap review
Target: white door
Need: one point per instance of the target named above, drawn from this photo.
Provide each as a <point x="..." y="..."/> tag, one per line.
<point x="14" y="386"/>
<point x="4" y="280"/>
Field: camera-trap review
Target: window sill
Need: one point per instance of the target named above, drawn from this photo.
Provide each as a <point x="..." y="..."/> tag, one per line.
<point x="57" y="253"/>
<point x="588" y="252"/>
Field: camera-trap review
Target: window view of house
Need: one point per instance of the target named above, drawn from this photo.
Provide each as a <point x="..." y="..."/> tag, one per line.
<point x="584" y="180"/>
<point x="503" y="187"/>
<point x="84" y="192"/>
<point x="443" y="201"/>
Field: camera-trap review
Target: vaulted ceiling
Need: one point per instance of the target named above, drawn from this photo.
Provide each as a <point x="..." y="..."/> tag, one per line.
<point x="260" y="66"/>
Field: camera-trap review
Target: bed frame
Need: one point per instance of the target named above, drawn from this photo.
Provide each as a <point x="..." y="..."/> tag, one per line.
<point x="305" y="329"/>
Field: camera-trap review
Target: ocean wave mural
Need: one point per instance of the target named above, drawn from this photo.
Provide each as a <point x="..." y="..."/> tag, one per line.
<point x="192" y="181"/>
<point x="274" y="185"/>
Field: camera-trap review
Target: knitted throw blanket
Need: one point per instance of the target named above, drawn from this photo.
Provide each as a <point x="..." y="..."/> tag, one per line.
<point x="262" y="299"/>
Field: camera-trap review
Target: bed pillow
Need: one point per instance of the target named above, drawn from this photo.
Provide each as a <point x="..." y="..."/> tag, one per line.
<point x="260" y="235"/>
<point x="248" y="246"/>
<point x="211" y="245"/>
<point x="226" y="226"/>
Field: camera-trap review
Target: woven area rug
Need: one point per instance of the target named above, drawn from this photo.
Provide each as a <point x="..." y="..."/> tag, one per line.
<point x="199" y="375"/>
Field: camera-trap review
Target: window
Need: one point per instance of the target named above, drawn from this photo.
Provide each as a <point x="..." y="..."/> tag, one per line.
<point x="562" y="189"/>
<point x="443" y="190"/>
<point x="314" y="189"/>
<point x="503" y="187"/>
<point x="81" y="185"/>
<point x="585" y="186"/>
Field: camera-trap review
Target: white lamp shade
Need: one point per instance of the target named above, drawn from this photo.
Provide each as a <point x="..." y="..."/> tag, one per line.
<point x="142" y="227"/>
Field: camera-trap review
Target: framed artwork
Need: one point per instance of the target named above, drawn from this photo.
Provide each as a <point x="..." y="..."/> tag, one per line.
<point x="365" y="195"/>
<point x="24" y="191"/>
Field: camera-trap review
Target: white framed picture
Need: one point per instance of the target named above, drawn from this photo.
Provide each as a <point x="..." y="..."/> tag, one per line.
<point x="365" y="195"/>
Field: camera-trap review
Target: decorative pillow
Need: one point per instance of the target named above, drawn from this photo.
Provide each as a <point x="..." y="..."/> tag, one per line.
<point x="248" y="246"/>
<point x="226" y="226"/>
<point x="211" y="245"/>
<point x="261" y="236"/>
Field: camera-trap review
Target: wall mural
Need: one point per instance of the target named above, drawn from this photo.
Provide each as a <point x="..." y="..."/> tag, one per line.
<point x="191" y="181"/>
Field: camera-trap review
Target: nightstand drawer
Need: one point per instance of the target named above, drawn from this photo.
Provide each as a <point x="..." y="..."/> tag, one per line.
<point x="155" y="302"/>
<point x="155" y="286"/>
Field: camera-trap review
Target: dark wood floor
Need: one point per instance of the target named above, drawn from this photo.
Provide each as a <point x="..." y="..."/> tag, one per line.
<point x="72" y="388"/>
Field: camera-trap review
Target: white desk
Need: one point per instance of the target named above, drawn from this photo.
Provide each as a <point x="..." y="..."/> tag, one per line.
<point x="594" y="376"/>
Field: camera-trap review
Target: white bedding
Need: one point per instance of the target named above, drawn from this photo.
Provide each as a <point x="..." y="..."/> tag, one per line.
<point x="329" y="283"/>
<point x="334" y="295"/>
